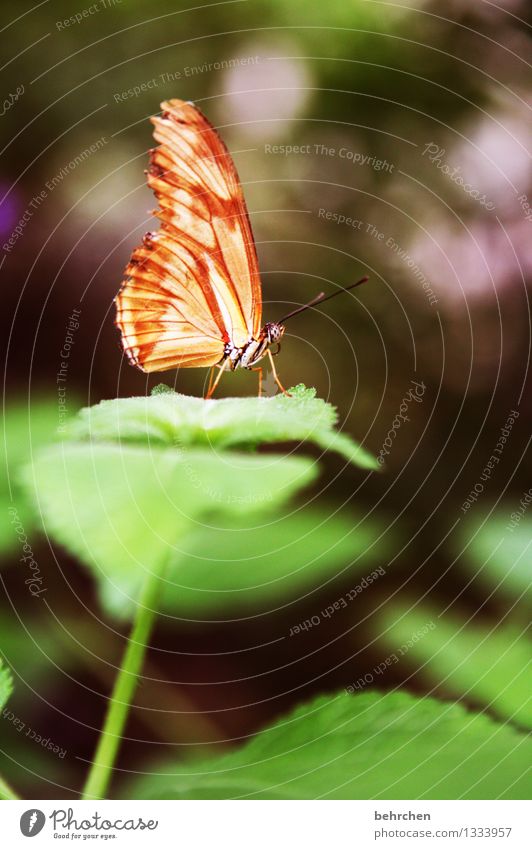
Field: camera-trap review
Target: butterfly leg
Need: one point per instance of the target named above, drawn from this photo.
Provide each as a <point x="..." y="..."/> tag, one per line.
<point x="211" y="372"/>
<point x="211" y="379"/>
<point x="259" y="369"/>
<point x="214" y="384"/>
<point x="276" y="376"/>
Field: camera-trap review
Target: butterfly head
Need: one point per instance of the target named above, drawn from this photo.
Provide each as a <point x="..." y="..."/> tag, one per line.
<point x="273" y="332"/>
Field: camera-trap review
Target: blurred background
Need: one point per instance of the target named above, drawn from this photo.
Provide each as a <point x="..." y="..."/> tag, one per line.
<point x="370" y="138"/>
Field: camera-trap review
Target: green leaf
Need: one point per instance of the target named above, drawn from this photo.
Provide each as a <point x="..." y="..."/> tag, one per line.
<point x="367" y="746"/>
<point x="6" y="684"/>
<point x="260" y="563"/>
<point x="26" y="428"/>
<point x="167" y="418"/>
<point x="6" y="688"/>
<point x="490" y="666"/>
<point x="123" y="509"/>
<point x="499" y="555"/>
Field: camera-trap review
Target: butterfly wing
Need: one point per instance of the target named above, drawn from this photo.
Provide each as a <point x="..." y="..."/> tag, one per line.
<point x="193" y="286"/>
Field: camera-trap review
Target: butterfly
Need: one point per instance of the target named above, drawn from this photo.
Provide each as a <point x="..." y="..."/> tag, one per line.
<point x="192" y="295"/>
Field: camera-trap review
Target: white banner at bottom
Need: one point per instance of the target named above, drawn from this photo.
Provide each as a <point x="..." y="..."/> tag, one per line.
<point x="261" y="825"/>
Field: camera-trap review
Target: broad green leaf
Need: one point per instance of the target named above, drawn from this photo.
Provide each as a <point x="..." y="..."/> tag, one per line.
<point x="27" y="426"/>
<point x="269" y="561"/>
<point x="180" y="420"/>
<point x="367" y="746"/>
<point x="123" y="509"/>
<point x="499" y="555"/>
<point x="490" y="666"/>
<point x="6" y="684"/>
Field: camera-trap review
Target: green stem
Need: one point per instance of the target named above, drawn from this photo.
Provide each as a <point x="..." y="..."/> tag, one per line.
<point x="5" y="791"/>
<point x="123" y="691"/>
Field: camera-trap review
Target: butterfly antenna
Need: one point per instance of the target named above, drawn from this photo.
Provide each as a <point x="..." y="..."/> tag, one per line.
<point x="321" y="298"/>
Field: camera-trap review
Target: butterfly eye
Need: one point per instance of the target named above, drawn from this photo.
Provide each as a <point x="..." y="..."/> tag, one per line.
<point x="274" y="331"/>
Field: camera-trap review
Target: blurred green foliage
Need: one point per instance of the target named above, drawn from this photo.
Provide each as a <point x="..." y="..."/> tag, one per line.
<point x="498" y="556"/>
<point x="488" y="665"/>
<point x="6" y="684"/>
<point x="360" y="747"/>
<point x="128" y="507"/>
<point x="26" y="428"/>
<point x="251" y="567"/>
<point x="6" y="688"/>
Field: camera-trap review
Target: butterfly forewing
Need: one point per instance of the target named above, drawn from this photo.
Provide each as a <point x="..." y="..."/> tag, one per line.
<point x="193" y="286"/>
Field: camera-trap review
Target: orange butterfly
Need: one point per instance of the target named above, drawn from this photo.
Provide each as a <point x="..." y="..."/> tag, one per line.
<point x="192" y="294"/>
